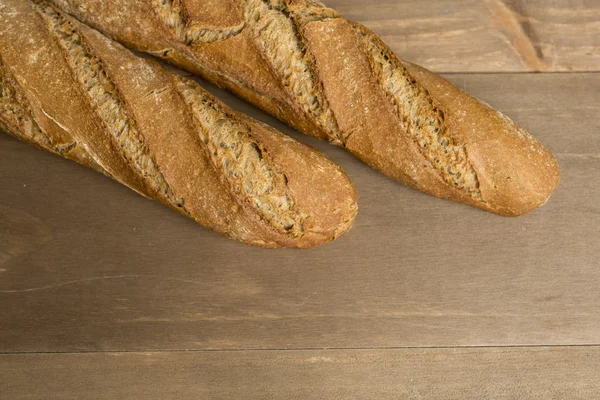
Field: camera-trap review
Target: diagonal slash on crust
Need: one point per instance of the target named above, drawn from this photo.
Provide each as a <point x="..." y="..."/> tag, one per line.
<point x="172" y="13"/>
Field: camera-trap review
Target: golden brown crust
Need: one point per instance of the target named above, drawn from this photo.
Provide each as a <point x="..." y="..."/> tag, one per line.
<point x="516" y="172"/>
<point x="352" y="89"/>
<point x="336" y="80"/>
<point x="162" y="135"/>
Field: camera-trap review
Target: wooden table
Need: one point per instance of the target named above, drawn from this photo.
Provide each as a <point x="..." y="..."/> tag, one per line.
<point x="106" y="295"/>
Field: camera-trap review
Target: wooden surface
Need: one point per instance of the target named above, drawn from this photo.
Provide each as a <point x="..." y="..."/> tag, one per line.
<point x="115" y="296"/>
<point x="537" y="373"/>
<point x="486" y="35"/>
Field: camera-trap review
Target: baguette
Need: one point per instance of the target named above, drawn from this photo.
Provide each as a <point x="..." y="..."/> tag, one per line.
<point x="70" y="90"/>
<point x="336" y="80"/>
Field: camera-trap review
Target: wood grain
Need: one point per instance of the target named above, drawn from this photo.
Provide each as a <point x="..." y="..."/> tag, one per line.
<point x="489" y="35"/>
<point x="100" y="268"/>
<point x="465" y="373"/>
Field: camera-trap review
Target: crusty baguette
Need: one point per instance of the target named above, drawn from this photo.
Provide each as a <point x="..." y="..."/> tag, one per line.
<point x="336" y="80"/>
<point x="74" y="92"/>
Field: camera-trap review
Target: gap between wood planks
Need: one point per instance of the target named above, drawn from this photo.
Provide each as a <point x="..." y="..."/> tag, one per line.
<point x="524" y="346"/>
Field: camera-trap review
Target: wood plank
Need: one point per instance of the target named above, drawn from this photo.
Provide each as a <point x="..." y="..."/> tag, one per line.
<point x="89" y="265"/>
<point x="489" y="35"/>
<point x="463" y="373"/>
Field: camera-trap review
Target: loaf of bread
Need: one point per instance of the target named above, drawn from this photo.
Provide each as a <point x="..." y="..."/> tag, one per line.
<point x="67" y="89"/>
<point x="336" y="80"/>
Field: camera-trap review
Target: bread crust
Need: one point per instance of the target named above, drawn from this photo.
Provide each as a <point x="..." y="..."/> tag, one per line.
<point x="336" y="80"/>
<point x="72" y="91"/>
